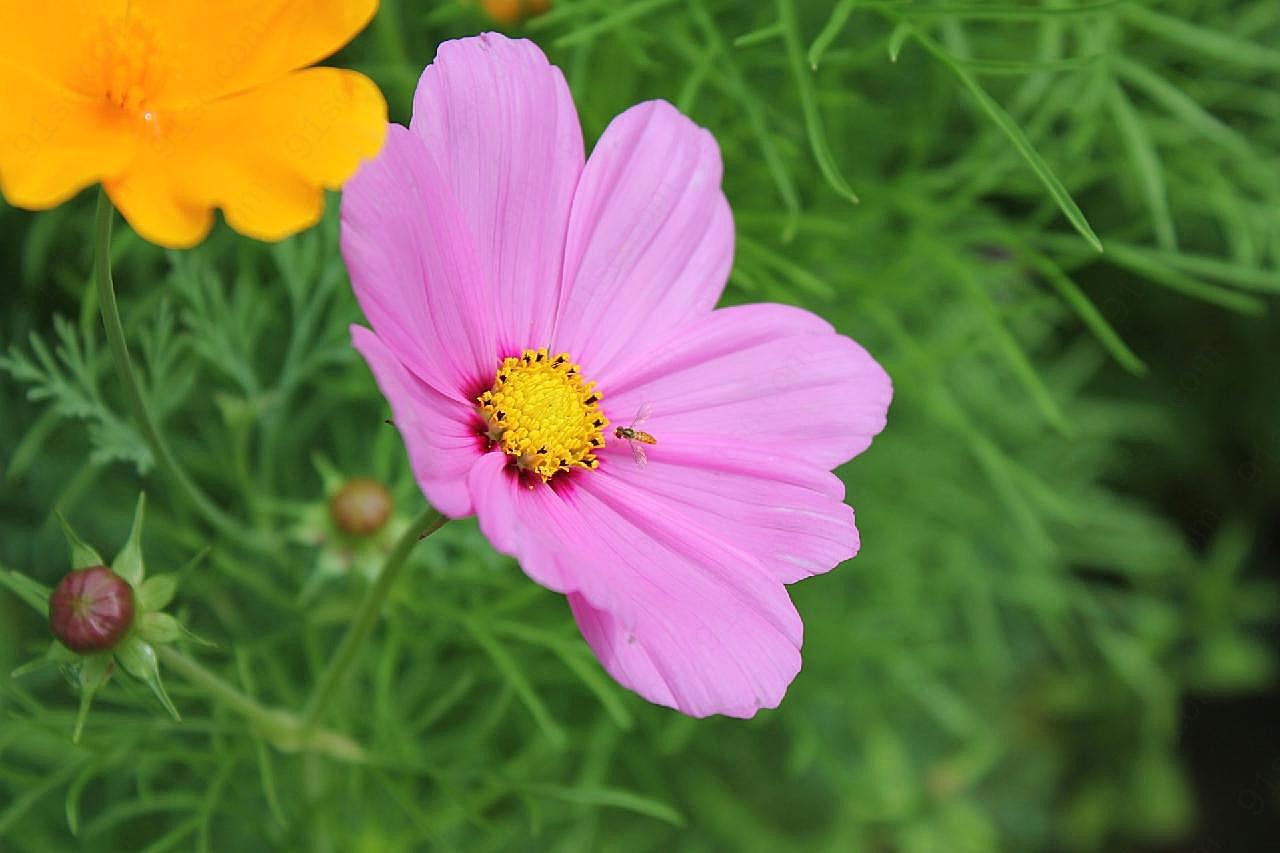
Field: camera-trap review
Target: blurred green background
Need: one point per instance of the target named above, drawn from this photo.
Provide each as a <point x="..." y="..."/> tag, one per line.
<point x="1061" y="631"/>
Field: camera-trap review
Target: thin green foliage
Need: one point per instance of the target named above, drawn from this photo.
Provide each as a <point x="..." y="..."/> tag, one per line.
<point x="1010" y="129"/>
<point x="751" y="108"/>
<point x="66" y="378"/>
<point x="839" y="16"/>
<point x="809" y="103"/>
<point x="1209" y="42"/>
<point x="1147" y="165"/>
<point x="1001" y="667"/>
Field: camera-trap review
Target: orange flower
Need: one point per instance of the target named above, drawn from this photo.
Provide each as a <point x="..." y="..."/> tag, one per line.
<point x="514" y="11"/>
<point x="180" y="106"/>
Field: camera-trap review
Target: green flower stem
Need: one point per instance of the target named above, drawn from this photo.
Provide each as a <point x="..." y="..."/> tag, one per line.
<point x="213" y="685"/>
<point x="283" y="729"/>
<point x="367" y="616"/>
<point x="124" y="366"/>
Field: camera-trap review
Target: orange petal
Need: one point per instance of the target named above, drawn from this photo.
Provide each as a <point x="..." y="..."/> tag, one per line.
<point x="56" y="42"/>
<point x="208" y="50"/>
<point x="157" y="210"/>
<point x="264" y="157"/>
<point x="54" y="142"/>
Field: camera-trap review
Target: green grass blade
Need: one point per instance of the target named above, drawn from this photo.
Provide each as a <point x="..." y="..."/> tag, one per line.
<point x="1007" y="345"/>
<point x="574" y="656"/>
<point x="1182" y="106"/>
<point x="1010" y="129"/>
<point x="19" y="806"/>
<point x="1084" y="308"/>
<point x="71" y="803"/>
<point x="614" y="797"/>
<point x="510" y="670"/>
<point x="839" y="16"/>
<point x="798" y="275"/>
<point x="751" y="110"/>
<point x="625" y="13"/>
<point x="809" y="103"/>
<point x="1212" y="43"/>
<point x="1147" y="166"/>
<point x="1003" y="67"/>
<point x="760" y="36"/>
<point x="897" y="39"/>
<point x="1251" y="278"/>
<point x="995" y="12"/>
<point x="1156" y="271"/>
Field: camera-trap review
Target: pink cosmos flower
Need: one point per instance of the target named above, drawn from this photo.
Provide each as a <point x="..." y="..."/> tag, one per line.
<point x="527" y="306"/>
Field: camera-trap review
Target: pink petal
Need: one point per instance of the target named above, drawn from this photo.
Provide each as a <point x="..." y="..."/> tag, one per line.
<point x="787" y="512"/>
<point x="698" y="661"/>
<point x="439" y="431"/>
<point x="628" y="662"/>
<point x="677" y="616"/>
<point x="497" y="497"/>
<point x="503" y="130"/>
<point x="722" y="331"/>
<point x="415" y="271"/>
<point x="762" y="374"/>
<point x="650" y="238"/>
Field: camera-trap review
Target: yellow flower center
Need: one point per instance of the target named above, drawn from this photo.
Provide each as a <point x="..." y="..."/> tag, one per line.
<point x="127" y="52"/>
<point x="542" y="415"/>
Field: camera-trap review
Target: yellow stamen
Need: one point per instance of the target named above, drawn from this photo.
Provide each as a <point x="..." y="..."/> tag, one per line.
<point x="127" y="52"/>
<point x="542" y="415"/>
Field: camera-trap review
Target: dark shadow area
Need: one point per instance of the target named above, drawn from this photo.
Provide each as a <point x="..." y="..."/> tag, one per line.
<point x="1213" y="372"/>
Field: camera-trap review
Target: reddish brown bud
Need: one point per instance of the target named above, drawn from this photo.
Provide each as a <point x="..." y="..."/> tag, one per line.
<point x="360" y="507"/>
<point x="514" y="11"/>
<point x="91" y="610"/>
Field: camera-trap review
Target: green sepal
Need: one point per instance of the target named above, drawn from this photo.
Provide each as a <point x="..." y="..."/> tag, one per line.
<point x="92" y="672"/>
<point x="156" y="592"/>
<point x="128" y="563"/>
<point x="35" y="594"/>
<point x="82" y="556"/>
<point x="139" y="659"/>
<point x="159" y="628"/>
<point x="56" y="655"/>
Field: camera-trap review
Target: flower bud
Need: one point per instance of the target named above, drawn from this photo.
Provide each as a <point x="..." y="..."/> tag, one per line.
<point x="514" y="11"/>
<point x="360" y="507"/>
<point x="91" y="610"/>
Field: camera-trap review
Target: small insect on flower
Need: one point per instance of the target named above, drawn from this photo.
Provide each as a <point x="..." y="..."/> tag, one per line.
<point x="636" y="438"/>
<point x="520" y="292"/>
